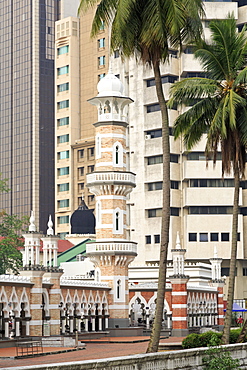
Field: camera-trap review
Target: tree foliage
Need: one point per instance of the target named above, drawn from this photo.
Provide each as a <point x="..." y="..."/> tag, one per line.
<point x="219" y="111"/>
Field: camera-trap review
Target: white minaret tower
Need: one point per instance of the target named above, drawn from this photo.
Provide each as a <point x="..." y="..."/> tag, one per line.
<point x="111" y="183"/>
<point x="50" y="246"/>
<point x="31" y="255"/>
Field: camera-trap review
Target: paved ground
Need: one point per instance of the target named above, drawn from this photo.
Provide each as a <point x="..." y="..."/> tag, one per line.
<point x="104" y="349"/>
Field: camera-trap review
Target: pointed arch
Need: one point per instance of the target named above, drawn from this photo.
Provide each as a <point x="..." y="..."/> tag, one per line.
<point x="117" y="153"/>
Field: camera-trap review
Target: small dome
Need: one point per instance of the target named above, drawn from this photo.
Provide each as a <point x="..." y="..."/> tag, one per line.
<point x="110" y="85"/>
<point x="82" y="220"/>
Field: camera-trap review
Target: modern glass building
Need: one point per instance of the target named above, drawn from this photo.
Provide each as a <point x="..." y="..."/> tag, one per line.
<point x="27" y="105"/>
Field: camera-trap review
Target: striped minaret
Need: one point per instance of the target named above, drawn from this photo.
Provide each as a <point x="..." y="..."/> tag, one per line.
<point x="219" y="283"/>
<point x="179" y="292"/>
<point x="111" y="183"/>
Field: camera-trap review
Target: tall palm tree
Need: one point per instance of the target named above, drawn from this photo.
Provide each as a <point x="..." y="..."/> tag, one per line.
<point x="220" y="112"/>
<point x="148" y="28"/>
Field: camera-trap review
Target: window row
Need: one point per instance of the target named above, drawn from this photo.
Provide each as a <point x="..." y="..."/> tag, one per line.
<point x="211" y="183"/>
<point x="81" y="171"/>
<point x="200" y="156"/>
<point x="152" y="134"/>
<point x="164" y="79"/>
<point x="212" y="237"/>
<point x="156" y="239"/>
<point x="155" y="159"/>
<point x="158" y="185"/>
<point x="210" y="210"/>
<point x="157" y="212"/>
<point x="156" y="108"/>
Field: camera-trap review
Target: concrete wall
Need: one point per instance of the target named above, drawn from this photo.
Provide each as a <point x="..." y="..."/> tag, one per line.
<point x="176" y="360"/>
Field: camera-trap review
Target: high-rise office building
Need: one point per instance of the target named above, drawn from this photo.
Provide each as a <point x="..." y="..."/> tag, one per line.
<point x="201" y="203"/>
<point x="27" y="104"/>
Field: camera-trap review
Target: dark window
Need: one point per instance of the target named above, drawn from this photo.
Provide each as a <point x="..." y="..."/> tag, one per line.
<point x="225" y="271"/>
<point x="174" y="211"/>
<point x="192" y="237"/>
<point x="81" y="171"/>
<point x="155" y="186"/>
<point x="214" y="237"/>
<point x="210" y="210"/>
<point x="81" y="153"/>
<point x="238" y="237"/>
<point x="148" y="239"/>
<point x="90" y="168"/>
<point x="155" y="159"/>
<point x="244" y="271"/>
<point x="91" y="152"/>
<point x="225" y="237"/>
<point x="116" y="54"/>
<point x="153" y="108"/>
<point x="157" y="239"/>
<point x="174" y="158"/>
<point x="203" y="237"/>
<point x="174" y="184"/>
<point x="164" y="79"/>
<point x="154" y="133"/>
<point x="156" y="212"/>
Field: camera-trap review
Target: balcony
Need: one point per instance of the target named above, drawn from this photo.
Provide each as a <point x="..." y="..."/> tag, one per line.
<point x="111" y="178"/>
<point x="119" y="247"/>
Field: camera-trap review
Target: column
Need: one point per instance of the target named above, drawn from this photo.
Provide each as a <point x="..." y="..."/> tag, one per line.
<point x="179" y="307"/>
<point x="17" y="326"/>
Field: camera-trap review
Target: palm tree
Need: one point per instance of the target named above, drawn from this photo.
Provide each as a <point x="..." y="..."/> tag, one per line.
<point x="148" y="28"/>
<point x="220" y="112"/>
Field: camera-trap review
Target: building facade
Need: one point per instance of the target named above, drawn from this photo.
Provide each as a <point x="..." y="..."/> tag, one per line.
<point x="27" y="103"/>
<point x="201" y="203"/>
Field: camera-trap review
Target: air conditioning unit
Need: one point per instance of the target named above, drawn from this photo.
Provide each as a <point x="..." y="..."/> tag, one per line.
<point x="147" y="137"/>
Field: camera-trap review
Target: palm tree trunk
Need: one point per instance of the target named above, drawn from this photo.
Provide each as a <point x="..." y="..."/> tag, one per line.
<point x="155" y="335"/>
<point x="230" y="296"/>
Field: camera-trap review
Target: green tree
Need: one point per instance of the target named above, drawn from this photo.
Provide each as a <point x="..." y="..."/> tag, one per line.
<point x="147" y="28"/>
<point x="3" y="185"/>
<point x="219" y="112"/>
<point x="11" y="241"/>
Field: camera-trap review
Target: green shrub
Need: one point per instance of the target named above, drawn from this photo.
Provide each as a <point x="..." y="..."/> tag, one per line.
<point x="218" y="358"/>
<point x="191" y="341"/>
<point x="203" y="340"/>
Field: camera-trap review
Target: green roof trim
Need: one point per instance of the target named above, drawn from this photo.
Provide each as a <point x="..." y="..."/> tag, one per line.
<point x="71" y="253"/>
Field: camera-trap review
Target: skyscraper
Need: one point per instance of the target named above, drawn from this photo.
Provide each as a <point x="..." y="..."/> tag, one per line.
<point x="27" y="104"/>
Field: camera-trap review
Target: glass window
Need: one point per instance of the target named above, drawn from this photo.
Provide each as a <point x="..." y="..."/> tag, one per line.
<point x="63" y="187"/>
<point x="81" y="171"/>
<point x="63" y="87"/>
<point x="164" y="79"/>
<point x="63" y="70"/>
<point x="101" y="60"/>
<point x="174" y="184"/>
<point x="102" y="75"/>
<point x="63" y="171"/>
<point x="225" y="237"/>
<point x="64" y="203"/>
<point x="155" y="159"/>
<point x="63" y="104"/>
<point x="192" y="237"/>
<point x="63" y="121"/>
<point x="153" y="108"/>
<point x="148" y="239"/>
<point x="101" y="43"/>
<point x="90" y="168"/>
<point x="91" y="152"/>
<point x="102" y="27"/>
<point x="154" y="133"/>
<point x="174" y="158"/>
<point x="63" y="220"/>
<point x="63" y="138"/>
<point x="156" y="212"/>
<point x="174" y="211"/>
<point x="203" y="237"/>
<point x="63" y="155"/>
<point x="81" y="153"/>
<point x="63" y="50"/>
<point x="155" y="186"/>
<point x="116" y="54"/>
<point x="214" y="237"/>
<point x="156" y="239"/>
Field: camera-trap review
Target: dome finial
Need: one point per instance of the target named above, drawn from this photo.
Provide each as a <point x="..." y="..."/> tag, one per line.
<point x="178" y="245"/>
<point x="32" y="226"/>
<point x="50" y="230"/>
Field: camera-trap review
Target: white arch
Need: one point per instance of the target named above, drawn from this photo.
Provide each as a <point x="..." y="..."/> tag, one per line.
<point x="24" y="299"/>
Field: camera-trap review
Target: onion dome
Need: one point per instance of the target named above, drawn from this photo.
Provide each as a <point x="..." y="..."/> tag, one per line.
<point x="82" y="220"/>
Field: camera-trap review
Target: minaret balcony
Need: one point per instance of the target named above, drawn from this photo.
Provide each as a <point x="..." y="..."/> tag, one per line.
<point x="117" y="247"/>
<point x="108" y="182"/>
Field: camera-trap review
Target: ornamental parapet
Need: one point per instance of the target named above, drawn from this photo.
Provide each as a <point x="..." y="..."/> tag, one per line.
<point x="111" y="177"/>
<point x="86" y="284"/>
<point x="117" y="247"/>
<point x="15" y="279"/>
